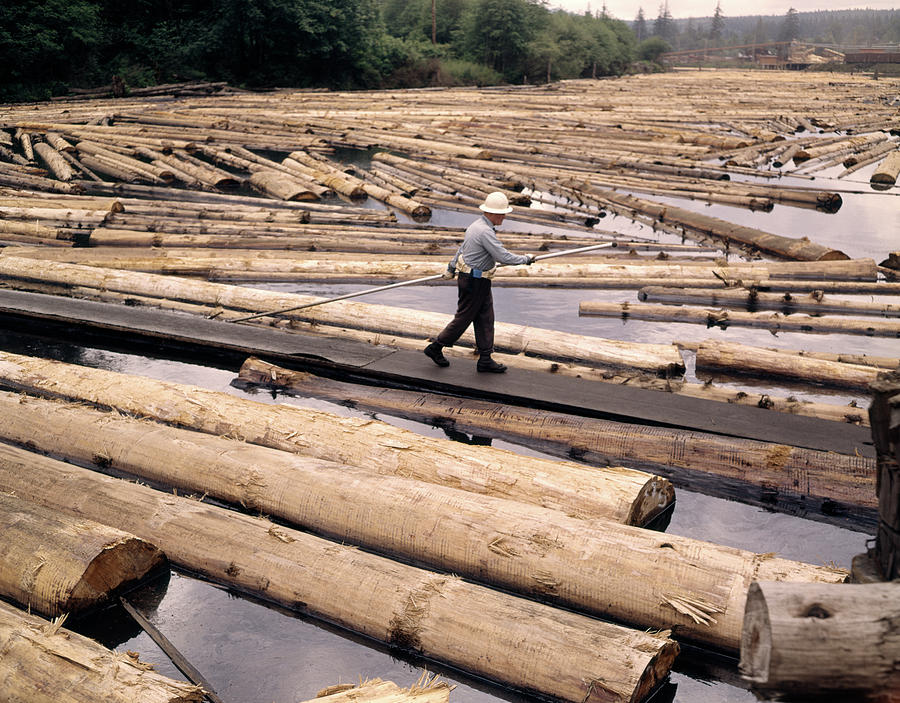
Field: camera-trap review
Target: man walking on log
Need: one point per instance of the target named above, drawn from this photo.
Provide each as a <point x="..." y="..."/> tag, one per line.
<point x="476" y="261"/>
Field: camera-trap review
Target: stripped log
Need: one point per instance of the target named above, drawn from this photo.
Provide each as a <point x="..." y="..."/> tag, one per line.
<point x="724" y="318"/>
<point x="391" y="602"/>
<point x="54" y="161"/>
<point x="786" y="247"/>
<point x="782" y="470"/>
<point x="823" y="640"/>
<point x="738" y="358"/>
<point x="655" y="358"/>
<point x="43" y="663"/>
<point x="54" y="564"/>
<point x="618" y="494"/>
<point x="888" y="170"/>
<point x="815" y="303"/>
<point x="593" y="566"/>
<point x="280" y="185"/>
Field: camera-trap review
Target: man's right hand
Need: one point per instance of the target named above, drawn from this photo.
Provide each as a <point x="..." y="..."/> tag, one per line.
<point x="449" y="273"/>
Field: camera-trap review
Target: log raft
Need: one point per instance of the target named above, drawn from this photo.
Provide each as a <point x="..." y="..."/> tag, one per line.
<point x="839" y="482"/>
<point x="43" y="663"/>
<point x="884" y="414"/>
<point x="53" y="564"/>
<point x="623" y="495"/>
<point x="400" y="605"/>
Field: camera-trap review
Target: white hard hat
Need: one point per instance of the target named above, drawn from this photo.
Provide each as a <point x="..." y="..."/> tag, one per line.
<point x="496" y="203"/>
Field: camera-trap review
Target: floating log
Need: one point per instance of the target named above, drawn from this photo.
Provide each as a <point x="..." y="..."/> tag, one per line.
<point x="656" y="358"/>
<point x="405" y="606"/>
<point x="740" y="359"/>
<point x="884" y="414"/>
<point x="786" y="247"/>
<point x="54" y="564"/>
<point x="43" y="663"/>
<point x="888" y="171"/>
<point x="593" y="566"/>
<point x="781" y="470"/>
<point x="618" y="494"/>
<point x="280" y="185"/>
<point x="823" y="640"/>
<point x="723" y="318"/>
<point x="54" y="161"/>
<point x="814" y="303"/>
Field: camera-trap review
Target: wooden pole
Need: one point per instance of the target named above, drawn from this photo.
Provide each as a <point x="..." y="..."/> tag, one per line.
<point x="618" y="494"/>
<point x="402" y="605"/>
<point x="42" y="662"/>
<point x="53" y="564"/>
<point x="823" y="640"/>
<point x="593" y="566"/>
<point x="884" y="414"/>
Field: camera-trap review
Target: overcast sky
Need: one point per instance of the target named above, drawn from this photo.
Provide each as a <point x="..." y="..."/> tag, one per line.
<point x="627" y="9"/>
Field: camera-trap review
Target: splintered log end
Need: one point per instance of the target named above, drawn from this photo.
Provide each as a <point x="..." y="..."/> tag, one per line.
<point x="654" y="500"/>
<point x="655" y="673"/>
<point x="117" y="567"/>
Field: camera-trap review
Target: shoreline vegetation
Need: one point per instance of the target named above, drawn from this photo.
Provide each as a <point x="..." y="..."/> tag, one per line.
<point x="102" y="48"/>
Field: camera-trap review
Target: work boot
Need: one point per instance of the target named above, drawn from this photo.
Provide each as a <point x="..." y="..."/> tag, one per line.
<point x="434" y="352"/>
<point x="487" y="365"/>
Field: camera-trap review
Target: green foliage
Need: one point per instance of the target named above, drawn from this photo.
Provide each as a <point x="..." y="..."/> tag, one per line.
<point x="497" y="33"/>
<point x="650" y="49"/>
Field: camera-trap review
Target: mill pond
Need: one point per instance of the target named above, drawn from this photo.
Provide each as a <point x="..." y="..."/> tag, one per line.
<point x="628" y="160"/>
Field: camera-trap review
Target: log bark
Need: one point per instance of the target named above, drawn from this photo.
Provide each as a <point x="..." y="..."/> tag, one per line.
<point x="755" y="361"/>
<point x="815" y="303"/>
<point x="781" y="470"/>
<point x="391" y="602"/>
<point x="723" y="318"/>
<point x="54" y="564"/>
<point x="280" y="185"/>
<point x="594" y="566"/>
<point x="655" y="358"/>
<point x="618" y="494"/>
<point x="823" y="640"/>
<point x="43" y="664"/>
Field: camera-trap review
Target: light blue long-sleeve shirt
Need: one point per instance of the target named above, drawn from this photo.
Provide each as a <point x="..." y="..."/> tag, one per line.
<point x="481" y="249"/>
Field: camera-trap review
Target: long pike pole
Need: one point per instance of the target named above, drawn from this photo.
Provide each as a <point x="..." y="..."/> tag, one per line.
<point x="413" y="282"/>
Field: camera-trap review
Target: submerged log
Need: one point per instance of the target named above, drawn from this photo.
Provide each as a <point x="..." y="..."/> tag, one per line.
<point x="723" y="318"/>
<point x="593" y="566"/>
<point x="402" y="605"/>
<point x="619" y="494"/>
<point x="42" y="663"/>
<point x="823" y="640"/>
<point x="815" y="303"/>
<point x="425" y="690"/>
<point x="656" y="358"/>
<point x="738" y="358"/>
<point x="54" y="564"/>
<point x="781" y="470"/>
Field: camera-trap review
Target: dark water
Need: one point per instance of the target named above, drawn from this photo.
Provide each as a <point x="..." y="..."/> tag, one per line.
<point x="255" y="653"/>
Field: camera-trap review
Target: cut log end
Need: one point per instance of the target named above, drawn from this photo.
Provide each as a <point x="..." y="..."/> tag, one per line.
<point x="654" y="501"/>
<point x="116" y="568"/>
<point x="756" y="638"/>
<point x="655" y="674"/>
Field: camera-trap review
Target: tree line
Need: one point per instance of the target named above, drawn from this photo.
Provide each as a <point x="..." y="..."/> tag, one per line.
<point x="855" y="28"/>
<point x="48" y="46"/>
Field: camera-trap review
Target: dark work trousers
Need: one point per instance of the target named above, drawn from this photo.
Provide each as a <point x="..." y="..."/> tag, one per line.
<point x="476" y="305"/>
